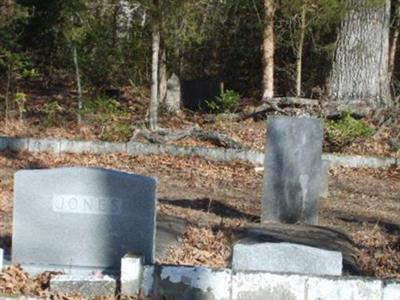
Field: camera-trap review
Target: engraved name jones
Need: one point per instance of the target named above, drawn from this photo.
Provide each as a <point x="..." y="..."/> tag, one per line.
<point x="78" y="204"/>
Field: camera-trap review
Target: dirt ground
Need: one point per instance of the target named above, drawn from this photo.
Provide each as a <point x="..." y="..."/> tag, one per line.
<point x="216" y="197"/>
<point x="133" y="107"/>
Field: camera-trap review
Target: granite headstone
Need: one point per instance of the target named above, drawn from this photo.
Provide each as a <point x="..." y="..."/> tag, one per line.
<point x="286" y="258"/>
<point x="292" y="179"/>
<point x="82" y="219"/>
<point x="326" y="165"/>
<point x="174" y="94"/>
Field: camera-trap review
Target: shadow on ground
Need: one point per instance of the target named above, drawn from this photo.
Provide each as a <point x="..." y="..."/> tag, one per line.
<point x="211" y="206"/>
<point x="20" y="156"/>
<point x="5" y="243"/>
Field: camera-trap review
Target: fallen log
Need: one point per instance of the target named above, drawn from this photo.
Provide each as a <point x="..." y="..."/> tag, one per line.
<point x="217" y="139"/>
<point x="309" y="235"/>
<point x="259" y="111"/>
<point x="293" y="101"/>
<point x="163" y="136"/>
<point x="388" y="225"/>
<point x="278" y="104"/>
<point x="268" y="105"/>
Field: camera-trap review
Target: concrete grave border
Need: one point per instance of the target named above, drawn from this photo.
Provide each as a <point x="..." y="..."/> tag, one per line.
<point x="133" y="148"/>
<point x="171" y="282"/>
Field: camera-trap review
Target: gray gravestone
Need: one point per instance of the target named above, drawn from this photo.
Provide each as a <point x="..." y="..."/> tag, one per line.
<point x="286" y="258"/>
<point x="292" y="180"/>
<point x="174" y="94"/>
<point x="326" y="165"/>
<point x="82" y="219"/>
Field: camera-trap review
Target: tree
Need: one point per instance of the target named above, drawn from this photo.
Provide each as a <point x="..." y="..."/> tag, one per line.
<point x="154" y="97"/>
<point x="360" y="68"/>
<point x="395" y="38"/>
<point x="174" y="25"/>
<point x="299" y="58"/>
<point x="268" y="46"/>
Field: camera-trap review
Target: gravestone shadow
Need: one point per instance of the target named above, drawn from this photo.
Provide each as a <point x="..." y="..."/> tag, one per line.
<point x="169" y="233"/>
<point x="19" y="156"/>
<point x="5" y="244"/>
<point x="212" y="206"/>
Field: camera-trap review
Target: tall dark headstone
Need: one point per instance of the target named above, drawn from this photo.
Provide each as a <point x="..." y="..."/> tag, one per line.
<point x="292" y="179"/>
<point x="196" y="92"/>
<point x="82" y="219"/>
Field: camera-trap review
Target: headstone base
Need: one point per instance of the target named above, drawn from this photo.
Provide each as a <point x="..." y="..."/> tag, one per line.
<point x="286" y="258"/>
<point x="35" y="270"/>
<point x="90" y="287"/>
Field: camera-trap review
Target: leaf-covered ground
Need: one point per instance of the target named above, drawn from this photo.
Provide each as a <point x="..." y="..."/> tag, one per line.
<point x="218" y="197"/>
<point x="117" y="122"/>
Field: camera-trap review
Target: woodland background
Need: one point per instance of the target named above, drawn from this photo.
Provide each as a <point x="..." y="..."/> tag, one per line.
<point x="329" y="50"/>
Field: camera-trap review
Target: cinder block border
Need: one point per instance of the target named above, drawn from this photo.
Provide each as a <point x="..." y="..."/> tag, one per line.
<point x="191" y="283"/>
<point x="391" y="290"/>
<point x="260" y="285"/>
<point x="86" y="286"/>
<point x="343" y="288"/>
<point x="172" y="281"/>
<point x="134" y="148"/>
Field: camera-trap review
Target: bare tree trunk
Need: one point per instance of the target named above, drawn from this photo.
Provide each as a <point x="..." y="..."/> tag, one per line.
<point x="7" y="9"/>
<point x="154" y="101"/>
<point x="268" y="50"/>
<point x="163" y="72"/>
<point x="394" y="41"/>
<point x="360" y="69"/>
<point x="78" y="84"/>
<point x="8" y="87"/>
<point x="299" y="59"/>
<point x="393" y="51"/>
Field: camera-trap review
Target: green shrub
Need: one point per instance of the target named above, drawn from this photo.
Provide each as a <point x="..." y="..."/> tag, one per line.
<point x="110" y="117"/>
<point x="51" y="110"/>
<point x="102" y="106"/>
<point x="343" y="131"/>
<point x="20" y="99"/>
<point x="121" y="131"/>
<point x="228" y="101"/>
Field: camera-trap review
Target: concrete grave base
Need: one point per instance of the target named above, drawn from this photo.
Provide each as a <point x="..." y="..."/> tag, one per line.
<point x="391" y="290"/>
<point x="260" y="286"/>
<point x="348" y="288"/>
<point x="165" y="282"/>
<point x="86" y="286"/>
<point x="82" y="272"/>
<point x="199" y="283"/>
<point x="131" y="274"/>
<point x="191" y="283"/>
<point x="286" y="258"/>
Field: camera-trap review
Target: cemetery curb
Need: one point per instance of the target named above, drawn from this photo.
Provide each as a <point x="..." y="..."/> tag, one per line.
<point x="133" y="148"/>
<point x="193" y="282"/>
